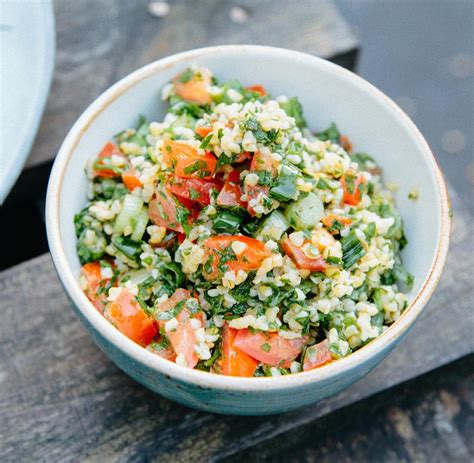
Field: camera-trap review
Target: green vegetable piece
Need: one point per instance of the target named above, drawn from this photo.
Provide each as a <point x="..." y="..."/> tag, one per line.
<point x="352" y="250"/>
<point x="91" y="251"/>
<point x="284" y="188"/>
<point x="293" y="108"/>
<point x="306" y="213"/>
<point x="331" y="133"/>
<point x="130" y="248"/>
<point x="274" y="226"/>
<point x="227" y="222"/>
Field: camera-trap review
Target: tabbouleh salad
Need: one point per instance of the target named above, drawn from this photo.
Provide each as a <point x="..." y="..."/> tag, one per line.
<point x="230" y="238"/>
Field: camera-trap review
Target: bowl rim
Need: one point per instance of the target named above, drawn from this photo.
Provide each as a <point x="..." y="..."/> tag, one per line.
<point x="211" y="380"/>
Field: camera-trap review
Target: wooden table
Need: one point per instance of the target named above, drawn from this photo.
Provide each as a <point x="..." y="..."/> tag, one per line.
<point x="61" y="399"/>
<point x="100" y="42"/>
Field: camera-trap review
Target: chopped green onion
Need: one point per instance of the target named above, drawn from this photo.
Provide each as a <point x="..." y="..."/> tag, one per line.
<point x="128" y="247"/>
<point x="284" y="188"/>
<point x="352" y="250"/>
<point x="206" y="141"/>
<point x="227" y="222"/>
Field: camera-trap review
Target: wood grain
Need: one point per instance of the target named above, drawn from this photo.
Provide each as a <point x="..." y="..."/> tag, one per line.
<point x="62" y="400"/>
<point x="100" y="42"/>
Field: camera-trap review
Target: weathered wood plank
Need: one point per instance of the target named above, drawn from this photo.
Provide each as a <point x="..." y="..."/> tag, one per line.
<point x="100" y="42"/>
<point x="426" y="420"/>
<point x="62" y="400"/>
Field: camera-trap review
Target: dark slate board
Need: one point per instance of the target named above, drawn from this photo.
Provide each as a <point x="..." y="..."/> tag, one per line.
<point x="100" y="42"/>
<point x="62" y="400"/>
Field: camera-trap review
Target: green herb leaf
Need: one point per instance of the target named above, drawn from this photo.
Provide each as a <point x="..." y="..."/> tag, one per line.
<point x="266" y="347"/>
<point x="293" y="108"/>
<point x="331" y="133"/>
<point x="206" y="142"/>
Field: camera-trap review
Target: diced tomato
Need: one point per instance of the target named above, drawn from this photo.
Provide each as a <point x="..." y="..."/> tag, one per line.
<point x="107" y="152"/>
<point x="181" y="237"/>
<point x="269" y="348"/>
<point x="257" y="89"/>
<point x="252" y="193"/>
<point x="235" y="362"/>
<point x="241" y="157"/>
<point x="263" y="162"/>
<point x="127" y="316"/>
<point x="218" y="248"/>
<point x="352" y="192"/>
<point x="163" y="210"/>
<point x="186" y="162"/>
<point x="93" y="275"/>
<point x="300" y="259"/>
<point x="203" y="131"/>
<point x="194" y="89"/>
<point x="183" y="338"/>
<point x="130" y="179"/>
<point x="329" y="220"/>
<point x="260" y="162"/>
<point x="194" y="189"/>
<point x="231" y="192"/>
<point x="317" y="355"/>
<point x="346" y="144"/>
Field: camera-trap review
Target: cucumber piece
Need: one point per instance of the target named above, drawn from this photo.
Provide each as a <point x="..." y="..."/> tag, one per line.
<point x="140" y="226"/>
<point x="274" y="226"/>
<point x="131" y="207"/>
<point x="306" y="213"/>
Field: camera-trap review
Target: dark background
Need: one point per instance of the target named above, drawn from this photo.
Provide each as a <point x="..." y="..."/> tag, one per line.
<point x="421" y="54"/>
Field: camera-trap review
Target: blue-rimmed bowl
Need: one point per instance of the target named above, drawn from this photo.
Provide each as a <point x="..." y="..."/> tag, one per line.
<point x="328" y="93"/>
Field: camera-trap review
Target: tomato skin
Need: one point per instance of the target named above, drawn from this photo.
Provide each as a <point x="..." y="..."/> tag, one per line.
<point x="203" y="131"/>
<point x="353" y="199"/>
<point x="281" y="351"/>
<point x="231" y="193"/>
<point x="128" y="317"/>
<point x="345" y="143"/>
<point x="130" y="179"/>
<point x="93" y="275"/>
<point x="186" y="162"/>
<point x="300" y="259"/>
<point x="317" y="356"/>
<point x="250" y="259"/>
<point x="108" y="150"/>
<point x="183" y="339"/>
<point x="162" y="210"/>
<point x="260" y="162"/>
<point x="235" y="362"/>
<point x="241" y="157"/>
<point x="190" y="187"/>
<point x="194" y="90"/>
<point x="257" y="89"/>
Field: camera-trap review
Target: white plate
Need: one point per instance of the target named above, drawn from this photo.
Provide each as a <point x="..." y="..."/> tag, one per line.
<point x="27" y="46"/>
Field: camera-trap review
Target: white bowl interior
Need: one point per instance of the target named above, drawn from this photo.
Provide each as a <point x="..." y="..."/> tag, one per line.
<point x="327" y="93"/>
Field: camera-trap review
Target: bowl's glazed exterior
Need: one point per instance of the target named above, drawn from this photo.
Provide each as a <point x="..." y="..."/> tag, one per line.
<point x="328" y="93"/>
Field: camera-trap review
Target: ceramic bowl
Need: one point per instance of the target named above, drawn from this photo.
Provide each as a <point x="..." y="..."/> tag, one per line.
<point x="328" y="93"/>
